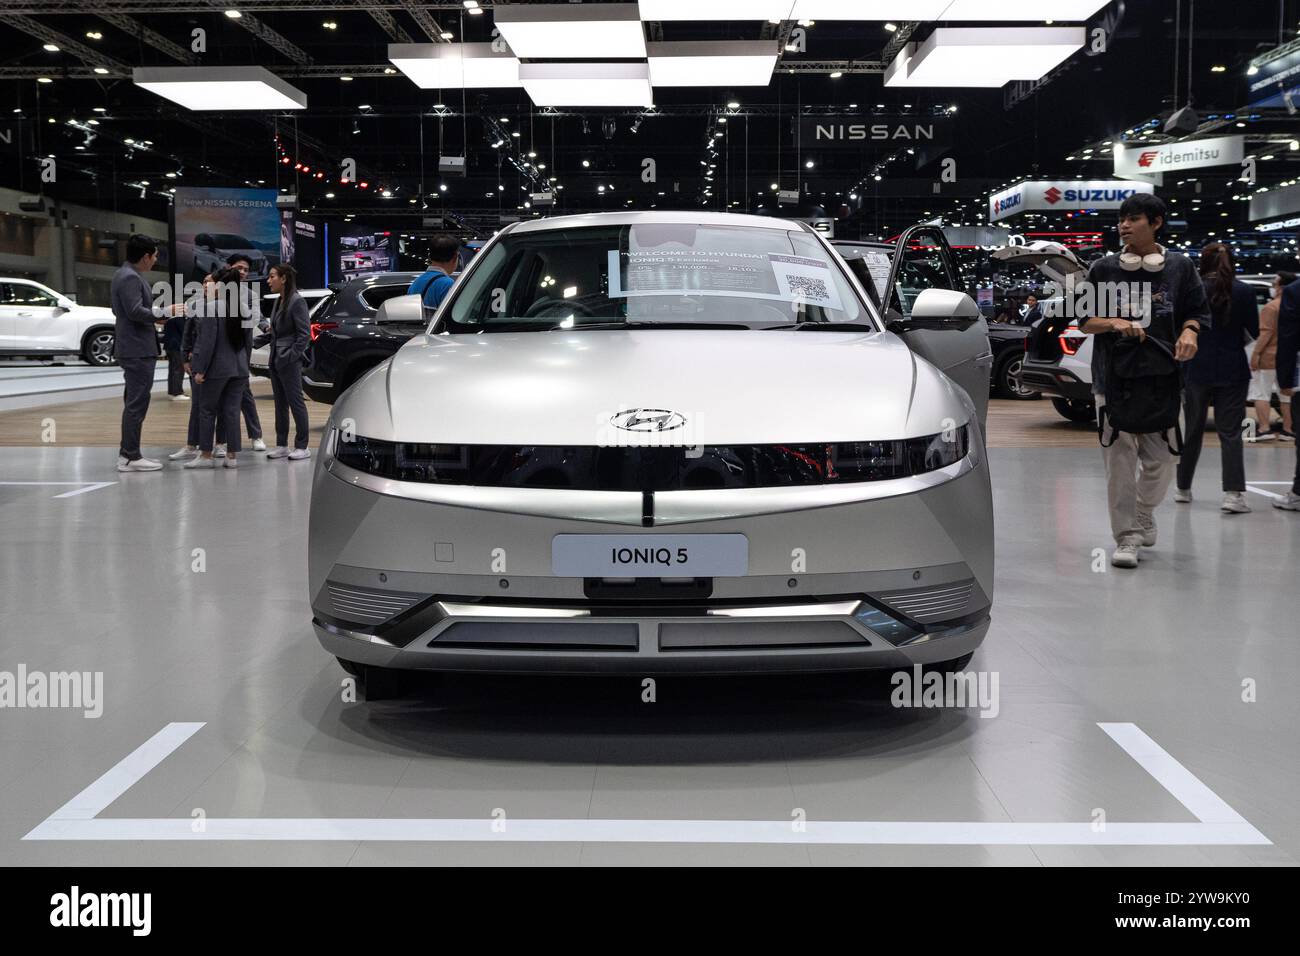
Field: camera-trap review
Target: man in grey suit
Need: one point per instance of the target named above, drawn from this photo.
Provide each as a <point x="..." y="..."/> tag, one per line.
<point x="136" y="345"/>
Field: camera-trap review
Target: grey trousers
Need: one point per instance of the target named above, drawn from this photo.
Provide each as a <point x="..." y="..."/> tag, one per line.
<point x="247" y="404"/>
<point x="286" y="386"/>
<point x="220" y="399"/>
<point x="1139" y="469"/>
<point x="138" y="373"/>
<point x="1229" y="412"/>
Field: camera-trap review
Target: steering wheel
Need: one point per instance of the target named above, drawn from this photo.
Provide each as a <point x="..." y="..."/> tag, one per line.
<point x="542" y="306"/>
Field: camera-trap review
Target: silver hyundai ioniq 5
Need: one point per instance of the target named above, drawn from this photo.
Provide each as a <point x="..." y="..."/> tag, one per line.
<point x="665" y="442"/>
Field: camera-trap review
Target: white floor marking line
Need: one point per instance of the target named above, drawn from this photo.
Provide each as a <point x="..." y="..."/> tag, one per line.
<point x="129" y="770"/>
<point x="81" y="486"/>
<point x="1219" y="823"/>
<point x="1202" y="802"/>
<point x="81" y="491"/>
<point x="1250" y="486"/>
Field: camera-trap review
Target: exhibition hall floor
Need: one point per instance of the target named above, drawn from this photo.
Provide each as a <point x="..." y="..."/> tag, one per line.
<point x="1143" y="717"/>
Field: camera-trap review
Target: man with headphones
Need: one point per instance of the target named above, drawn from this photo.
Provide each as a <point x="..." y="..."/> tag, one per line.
<point x="1144" y="290"/>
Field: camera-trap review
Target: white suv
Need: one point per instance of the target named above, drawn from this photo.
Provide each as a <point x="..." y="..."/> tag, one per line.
<point x="36" y="321"/>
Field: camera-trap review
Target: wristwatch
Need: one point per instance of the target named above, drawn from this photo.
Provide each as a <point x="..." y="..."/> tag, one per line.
<point x="1193" y="326"/>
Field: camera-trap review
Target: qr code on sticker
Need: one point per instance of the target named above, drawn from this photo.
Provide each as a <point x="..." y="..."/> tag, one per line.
<point x="809" y="288"/>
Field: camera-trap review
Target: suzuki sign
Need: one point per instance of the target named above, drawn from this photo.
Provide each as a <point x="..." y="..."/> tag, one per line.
<point x="1036" y="195"/>
<point x="1171" y="157"/>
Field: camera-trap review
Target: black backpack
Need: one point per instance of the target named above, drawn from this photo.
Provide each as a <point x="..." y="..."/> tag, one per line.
<point x="1144" y="390"/>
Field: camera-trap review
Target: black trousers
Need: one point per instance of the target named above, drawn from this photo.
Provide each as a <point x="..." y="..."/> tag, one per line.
<point x="220" y="402"/>
<point x="1295" y="410"/>
<point x="138" y="373"/>
<point x="286" y="386"/>
<point x="175" y="372"/>
<point x="1229" y="410"/>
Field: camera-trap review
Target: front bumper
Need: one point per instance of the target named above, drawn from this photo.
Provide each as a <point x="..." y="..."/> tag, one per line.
<point x="1052" y="380"/>
<point x="890" y="574"/>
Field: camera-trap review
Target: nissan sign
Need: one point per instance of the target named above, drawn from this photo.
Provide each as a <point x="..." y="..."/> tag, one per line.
<point x="1037" y="195"/>
<point x="878" y="132"/>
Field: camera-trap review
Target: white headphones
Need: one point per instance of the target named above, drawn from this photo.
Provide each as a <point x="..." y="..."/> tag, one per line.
<point x="1131" y="261"/>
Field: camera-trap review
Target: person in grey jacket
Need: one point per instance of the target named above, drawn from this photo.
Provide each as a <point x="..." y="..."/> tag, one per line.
<point x="289" y="338"/>
<point x="136" y="345"/>
<point x="252" y="313"/>
<point x="220" y="366"/>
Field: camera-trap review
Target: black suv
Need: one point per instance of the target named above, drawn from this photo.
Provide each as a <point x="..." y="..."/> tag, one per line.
<point x="346" y="339"/>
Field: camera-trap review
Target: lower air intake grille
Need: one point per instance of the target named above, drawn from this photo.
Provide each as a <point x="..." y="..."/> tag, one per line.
<point x="367" y="605"/>
<point x="935" y="603"/>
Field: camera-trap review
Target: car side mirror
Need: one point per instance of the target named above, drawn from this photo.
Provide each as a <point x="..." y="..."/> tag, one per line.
<point x="940" y="309"/>
<point x="408" y="309"/>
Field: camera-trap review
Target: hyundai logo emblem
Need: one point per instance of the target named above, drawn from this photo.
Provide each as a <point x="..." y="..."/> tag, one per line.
<point x="647" y="420"/>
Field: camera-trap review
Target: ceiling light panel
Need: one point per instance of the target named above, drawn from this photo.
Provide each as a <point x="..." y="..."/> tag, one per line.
<point x="433" y="66"/>
<point x="587" y="84"/>
<point x="572" y="31"/>
<point x="220" y="87"/>
<point x="716" y="9"/>
<point x="868" y="9"/>
<point x="974" y="57"/>
<point x="1021" y="9"/>
<point x="709" y="63"/>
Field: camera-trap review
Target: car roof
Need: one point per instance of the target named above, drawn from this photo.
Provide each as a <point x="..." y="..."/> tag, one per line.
<point x="685" y="217"/>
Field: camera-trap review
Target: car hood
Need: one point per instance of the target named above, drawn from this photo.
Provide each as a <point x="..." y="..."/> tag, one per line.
<point x="92" y="313"/>
<point x="563" y="388"/>
<point x="252" y="253"/>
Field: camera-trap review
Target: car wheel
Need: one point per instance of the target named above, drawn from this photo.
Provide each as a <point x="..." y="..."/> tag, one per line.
<point x="1075" y="411"/>
<point x="97" y="349"/>
<point x="1005" y="379"/>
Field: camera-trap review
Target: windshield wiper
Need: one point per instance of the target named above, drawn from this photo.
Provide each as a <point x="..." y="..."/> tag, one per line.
<point x="824" y="326"/>
<point x="645" y="325"/>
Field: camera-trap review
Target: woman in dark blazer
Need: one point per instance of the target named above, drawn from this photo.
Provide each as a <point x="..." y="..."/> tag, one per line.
<point x="220" y="366"/>
<point x="289" y="337"/>
<point x="1219" y="375"/>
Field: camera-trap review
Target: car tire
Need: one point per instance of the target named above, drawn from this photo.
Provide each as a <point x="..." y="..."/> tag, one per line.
<point x="98" y="347"/>
<point x="1075" y="411"/>
<point x="1004" y="381"/>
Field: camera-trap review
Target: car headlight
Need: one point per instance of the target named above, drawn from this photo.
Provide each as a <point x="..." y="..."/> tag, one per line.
<point x="616" y="468"/>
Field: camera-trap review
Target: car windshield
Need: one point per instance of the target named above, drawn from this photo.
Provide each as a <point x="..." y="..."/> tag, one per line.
<point x="653" y="274"/>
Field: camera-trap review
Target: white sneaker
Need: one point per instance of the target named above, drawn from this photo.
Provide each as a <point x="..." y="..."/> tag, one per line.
<point x="279" y="451"/>
<point x="1234" y="502"/>
<point x="1261" y="436"/>
<point x="219" y="451"/>
<point x="180" y="398"/>
<point x="230" y="462"/>
<point x="140" y="464"/>
<point x="1125" y="556"/>
<point x="1182" y="495"/>
<point x="298" y="454"/>
<point x="1288" y="502"/>
<point x="186" y="452"/>
<point x="259" y="445"/>
<point x="1147" y="522"/>
<point x="199" y="462"/>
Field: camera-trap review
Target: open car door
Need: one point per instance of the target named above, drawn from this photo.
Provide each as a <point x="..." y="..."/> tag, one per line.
<point x="926" y="305"/>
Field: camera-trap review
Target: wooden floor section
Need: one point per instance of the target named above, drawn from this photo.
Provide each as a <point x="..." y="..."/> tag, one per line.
<point x="1011" y="424"/>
